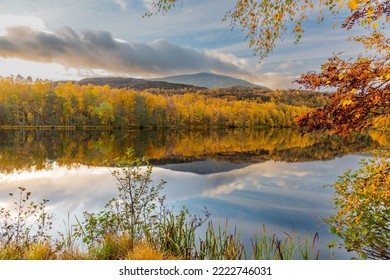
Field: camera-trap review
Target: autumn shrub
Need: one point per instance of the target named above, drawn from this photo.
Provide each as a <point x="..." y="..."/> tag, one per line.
<point x="362" y="201"/>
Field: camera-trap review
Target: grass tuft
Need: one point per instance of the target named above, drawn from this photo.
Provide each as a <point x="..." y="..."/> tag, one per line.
<point x="144" y="251"/>
<point x="41" y="251"/>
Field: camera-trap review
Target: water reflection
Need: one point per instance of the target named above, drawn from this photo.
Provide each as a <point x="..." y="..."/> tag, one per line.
<point x="24" y="150"/>
<point x="282" y="195"/>
<point x="249" y="176"/>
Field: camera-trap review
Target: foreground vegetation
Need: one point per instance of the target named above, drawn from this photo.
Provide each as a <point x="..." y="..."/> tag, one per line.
<point x="362" y="199"/>
<point x="136" y="224"/>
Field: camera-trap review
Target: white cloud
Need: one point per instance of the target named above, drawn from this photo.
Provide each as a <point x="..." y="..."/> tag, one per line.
<point x="275" y="80"/>
<point x="53" y="71"/>
<point x="7" y="21"/>
<point x="227" y="58"/>
<point x="122" y="4"/>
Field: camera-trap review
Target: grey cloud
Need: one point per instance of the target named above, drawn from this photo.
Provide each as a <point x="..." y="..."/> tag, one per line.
<point x="99" y="50"/>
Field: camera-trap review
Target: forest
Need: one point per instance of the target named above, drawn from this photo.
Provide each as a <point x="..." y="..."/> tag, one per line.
<point x="25" y="103"/>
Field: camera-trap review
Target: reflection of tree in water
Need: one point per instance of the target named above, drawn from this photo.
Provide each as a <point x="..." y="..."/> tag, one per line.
<point x="21" y="150"/>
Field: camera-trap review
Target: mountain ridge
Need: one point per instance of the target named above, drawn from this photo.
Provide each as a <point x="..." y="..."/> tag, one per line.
<point x="208" y="80"/>
<point x="193" y="82"/>
<point x="135" y="83"/>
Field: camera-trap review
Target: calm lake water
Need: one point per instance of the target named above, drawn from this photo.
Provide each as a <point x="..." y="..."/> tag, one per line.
<point x="251" y="178"/>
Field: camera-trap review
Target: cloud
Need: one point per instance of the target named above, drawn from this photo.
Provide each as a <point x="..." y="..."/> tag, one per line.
<point x="275" y="80"/>
<point x="7" y="21"/>
<point x="122" y="4"/>
<point x="100" y="50"/>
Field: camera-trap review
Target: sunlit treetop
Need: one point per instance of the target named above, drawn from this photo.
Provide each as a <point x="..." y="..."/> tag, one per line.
<point x="268" y="20"/>
<point x="361" y="89"/>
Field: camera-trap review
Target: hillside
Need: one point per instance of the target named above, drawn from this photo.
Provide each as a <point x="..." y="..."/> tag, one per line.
<point x="133" y="83"/>
<point x="208" y="80"/>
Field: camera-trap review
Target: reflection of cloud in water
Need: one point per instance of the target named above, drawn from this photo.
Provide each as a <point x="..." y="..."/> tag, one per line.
<point x="224" y="189"/>
<point x="284" y="196"/>
<point x="68" y="190"/>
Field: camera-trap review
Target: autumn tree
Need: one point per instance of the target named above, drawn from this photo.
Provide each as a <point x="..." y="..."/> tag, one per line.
<point x="362" y="89"/>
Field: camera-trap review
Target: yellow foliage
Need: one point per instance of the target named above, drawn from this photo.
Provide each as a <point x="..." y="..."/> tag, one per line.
<point x="346" y="102"/>
<point x="353" y="4"/>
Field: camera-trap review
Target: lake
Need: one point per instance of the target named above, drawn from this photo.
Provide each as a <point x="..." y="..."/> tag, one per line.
<point x="250" y="177"/>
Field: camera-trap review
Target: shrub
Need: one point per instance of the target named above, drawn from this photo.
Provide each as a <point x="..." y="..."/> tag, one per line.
<point x="362" y="201"/>
<point x="132" y="212"/>
<point x="28" y="223"/>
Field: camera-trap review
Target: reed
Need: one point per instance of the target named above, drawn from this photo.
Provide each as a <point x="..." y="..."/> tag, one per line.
<point x="290" y="247"/>
<point x="219" y="244"/>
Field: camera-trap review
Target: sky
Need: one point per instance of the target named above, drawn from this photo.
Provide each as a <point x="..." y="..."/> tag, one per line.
<point x="69" y="39"/>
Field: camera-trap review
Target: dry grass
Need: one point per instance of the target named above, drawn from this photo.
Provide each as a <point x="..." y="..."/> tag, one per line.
<point x="144" y="251"/>
<point x="11" y="252"/>
<point x="40" y="251"/>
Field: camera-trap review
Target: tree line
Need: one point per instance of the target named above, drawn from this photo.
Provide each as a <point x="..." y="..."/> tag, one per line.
<point x="24" y="103"/>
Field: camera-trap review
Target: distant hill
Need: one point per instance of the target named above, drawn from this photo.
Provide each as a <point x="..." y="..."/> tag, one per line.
<point x="137" y="84"/>
<point x="208" y="80"/>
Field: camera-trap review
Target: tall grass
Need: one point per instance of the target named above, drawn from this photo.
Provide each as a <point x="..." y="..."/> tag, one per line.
<point x="219" y="244"/>
<point x="290" y="247"/>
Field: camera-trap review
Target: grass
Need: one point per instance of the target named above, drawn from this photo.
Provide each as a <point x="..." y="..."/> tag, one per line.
<point x="291" y="247"/>
<point x="40" y="251"/>
<point x="216" y="245"/>
<point x="219" y="244"/>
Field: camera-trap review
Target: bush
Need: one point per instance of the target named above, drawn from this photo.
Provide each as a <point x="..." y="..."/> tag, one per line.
<point x="28" y="223"/>
<point x="362" y="200"/>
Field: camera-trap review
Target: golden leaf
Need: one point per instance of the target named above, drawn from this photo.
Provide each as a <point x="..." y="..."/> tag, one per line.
<point x="346" y="102"/>
<point x="353" y="4"/>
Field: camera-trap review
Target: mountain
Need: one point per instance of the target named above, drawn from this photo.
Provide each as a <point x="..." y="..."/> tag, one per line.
<point x="208" y="80"/>
<point x="137" y="84"/>
<point x="204" y="167"/>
